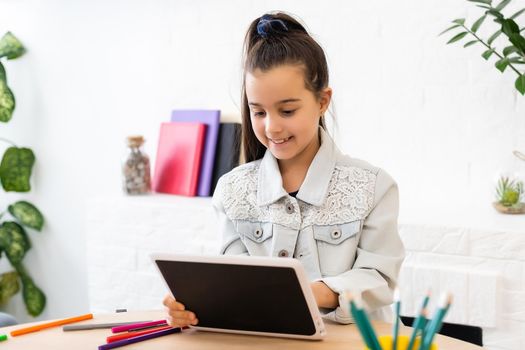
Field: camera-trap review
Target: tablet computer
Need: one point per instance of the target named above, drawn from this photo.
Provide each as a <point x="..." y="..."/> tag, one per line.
<point x="242" y="294"/>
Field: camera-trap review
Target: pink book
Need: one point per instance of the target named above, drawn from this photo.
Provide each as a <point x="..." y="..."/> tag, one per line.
<point x="179" y="155"/>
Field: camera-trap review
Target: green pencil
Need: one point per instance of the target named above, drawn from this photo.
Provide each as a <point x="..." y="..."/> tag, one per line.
<point x="397" y="307"/>
<point x="364" y="326"/>
<point x="435" y="324"/>
<point x="419" y="322"/>
<point x="358" y="320"/>
<point x="422" y="335"/>
<point x="3" y="337"/>
<point x="418" y="326"/>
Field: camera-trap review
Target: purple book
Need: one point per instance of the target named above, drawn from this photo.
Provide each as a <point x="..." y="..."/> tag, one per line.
<point x="211" y="118"/>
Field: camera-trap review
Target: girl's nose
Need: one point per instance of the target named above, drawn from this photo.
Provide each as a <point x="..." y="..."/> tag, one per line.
<point x="272" y="124"/>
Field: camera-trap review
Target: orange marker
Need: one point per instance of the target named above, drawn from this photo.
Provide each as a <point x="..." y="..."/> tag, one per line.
<point x="39" y="327"/>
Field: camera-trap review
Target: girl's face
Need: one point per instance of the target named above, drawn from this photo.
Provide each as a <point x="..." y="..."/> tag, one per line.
<point x="284" y="113"/>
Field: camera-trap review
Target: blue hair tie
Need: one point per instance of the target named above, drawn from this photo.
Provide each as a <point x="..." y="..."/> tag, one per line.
<point x="267" y="25"/>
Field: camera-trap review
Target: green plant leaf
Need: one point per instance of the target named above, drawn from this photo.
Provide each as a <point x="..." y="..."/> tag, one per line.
<point x="478" y="23"/>
<point x="449" y="28"/>
<point x="14" y="241"/>
<point x="7" y="102"/>
<point x="3" y="75"/>
<point x="457" y="37"/>
<point x="460" y="21"/>
<point x="11" y="47"/>
<point x="495" y="14"/>
<point x="9" y="286"/>
<point x="509" y="27"/>
<point x="487" y="54"/>
<point x="517" y="14"/>
<point x="488" y="2"/>
<point x="493" y="37"/>
<point x="516" y="60"/>
<point x="502" y="5"/>
<point x="518" y="41"/>
<point x="27" y="214"/>
<point x="520" y="84"/>
<point x="502" y="64"/>
<point x="15" y="169"/>
<point x="34" y="298"/>
<point x="470" y="43"/>
<point x="509" y="49"/>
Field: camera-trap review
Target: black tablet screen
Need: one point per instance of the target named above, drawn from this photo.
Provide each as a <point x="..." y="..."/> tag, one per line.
<point x="240" y="297"/>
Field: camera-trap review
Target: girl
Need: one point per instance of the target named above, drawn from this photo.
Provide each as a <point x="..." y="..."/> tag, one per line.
<point x="298" y="196"/>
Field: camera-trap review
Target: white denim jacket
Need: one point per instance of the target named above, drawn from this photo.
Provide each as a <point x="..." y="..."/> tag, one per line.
<point x="342" y="225"/>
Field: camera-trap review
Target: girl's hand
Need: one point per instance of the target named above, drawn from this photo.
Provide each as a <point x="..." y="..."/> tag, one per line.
<point x="178" y="316"/>
<point x="324" y="296"/>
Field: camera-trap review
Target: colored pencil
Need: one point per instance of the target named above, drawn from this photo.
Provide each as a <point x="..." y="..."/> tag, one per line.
<point x="395" y="328"/>
<point x="121" y="336"/>
<point x="82" y="327"/>
<point x="419" y="322"/>
<point x="137" y="326"/>
<point x="418" y="326"/>
<point x="41" y="326"/>
<point x="140" y="338"/>
<point x="3" y="337"/>
<point x="363" y="324"/>
<point x="435" y="324"/>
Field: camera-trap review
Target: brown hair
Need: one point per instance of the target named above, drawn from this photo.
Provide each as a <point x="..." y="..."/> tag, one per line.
<point x="273" y="40"/>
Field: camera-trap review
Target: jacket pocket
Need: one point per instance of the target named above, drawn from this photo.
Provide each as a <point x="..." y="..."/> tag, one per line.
<point x="336" y="246"/>
<point x="255" y="236"/>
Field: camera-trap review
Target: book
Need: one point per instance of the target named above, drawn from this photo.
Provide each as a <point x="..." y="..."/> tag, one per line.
<point x="178" y="161"/>
<point x="228" y="151"/>
<point x="211" y="118"/>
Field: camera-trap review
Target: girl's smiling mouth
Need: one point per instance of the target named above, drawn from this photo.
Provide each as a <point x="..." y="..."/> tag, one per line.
<point x="280" y="141"/>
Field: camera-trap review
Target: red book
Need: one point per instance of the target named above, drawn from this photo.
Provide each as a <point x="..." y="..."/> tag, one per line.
<point x="178" y="161"/>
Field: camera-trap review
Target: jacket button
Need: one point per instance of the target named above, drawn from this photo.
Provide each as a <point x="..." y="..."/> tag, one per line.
<point x="335" y="234"/>
<point x="258" y="233"/>
<point x="283" y="254"/>
<point x="289" y="208"/>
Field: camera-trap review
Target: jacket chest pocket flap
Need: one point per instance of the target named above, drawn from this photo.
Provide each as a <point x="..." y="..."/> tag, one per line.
<point x="254" y="231"/>
<point x="336" y="234"/>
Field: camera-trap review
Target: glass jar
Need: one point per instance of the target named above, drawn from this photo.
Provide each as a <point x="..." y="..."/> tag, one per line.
<point x="136" y="168"/>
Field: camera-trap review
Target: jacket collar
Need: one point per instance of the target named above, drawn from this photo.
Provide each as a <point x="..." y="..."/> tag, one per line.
<point x="315" y="185"/>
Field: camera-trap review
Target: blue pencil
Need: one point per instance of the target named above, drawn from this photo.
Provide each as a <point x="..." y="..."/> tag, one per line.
<point x="140" y="338"/>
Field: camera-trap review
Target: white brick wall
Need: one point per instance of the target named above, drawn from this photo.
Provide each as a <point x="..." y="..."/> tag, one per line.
<point x="484" y="269"/>
<point x="124" y="231"/>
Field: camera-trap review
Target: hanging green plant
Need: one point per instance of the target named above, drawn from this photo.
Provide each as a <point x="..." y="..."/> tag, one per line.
<point x="15" y="174"/>
<point x="512" y="55"/>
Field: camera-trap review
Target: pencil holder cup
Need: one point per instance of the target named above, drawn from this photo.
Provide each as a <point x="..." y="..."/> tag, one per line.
<point x="402" y="342"/>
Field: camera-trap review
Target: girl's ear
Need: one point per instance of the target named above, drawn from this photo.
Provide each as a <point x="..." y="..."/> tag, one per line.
<point x="325" y="98"/>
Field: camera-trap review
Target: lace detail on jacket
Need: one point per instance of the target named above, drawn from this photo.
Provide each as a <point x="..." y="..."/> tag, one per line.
<point x="350" y="197"/>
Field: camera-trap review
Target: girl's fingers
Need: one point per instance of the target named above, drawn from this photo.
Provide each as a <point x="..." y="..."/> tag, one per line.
<point x="182" y="320"/>
<point x="177" y="314"/>
<point x="171" y="303"/>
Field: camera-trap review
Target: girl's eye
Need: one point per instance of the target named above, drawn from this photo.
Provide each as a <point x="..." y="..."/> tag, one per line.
<point x="257" y="114"/>
<point x="288" y="112"/>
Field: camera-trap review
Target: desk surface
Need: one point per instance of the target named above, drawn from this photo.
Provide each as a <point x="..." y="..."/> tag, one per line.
<point x="342" y="337"/>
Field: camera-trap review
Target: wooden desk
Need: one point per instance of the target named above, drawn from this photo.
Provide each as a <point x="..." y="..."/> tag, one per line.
<point x="344" y="337"/>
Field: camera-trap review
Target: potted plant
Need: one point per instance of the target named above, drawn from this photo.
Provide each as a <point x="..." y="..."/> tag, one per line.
<point x="15" y="172"/>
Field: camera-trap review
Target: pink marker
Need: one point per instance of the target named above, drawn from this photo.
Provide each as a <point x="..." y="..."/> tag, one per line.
<point x="137" y="325"/>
